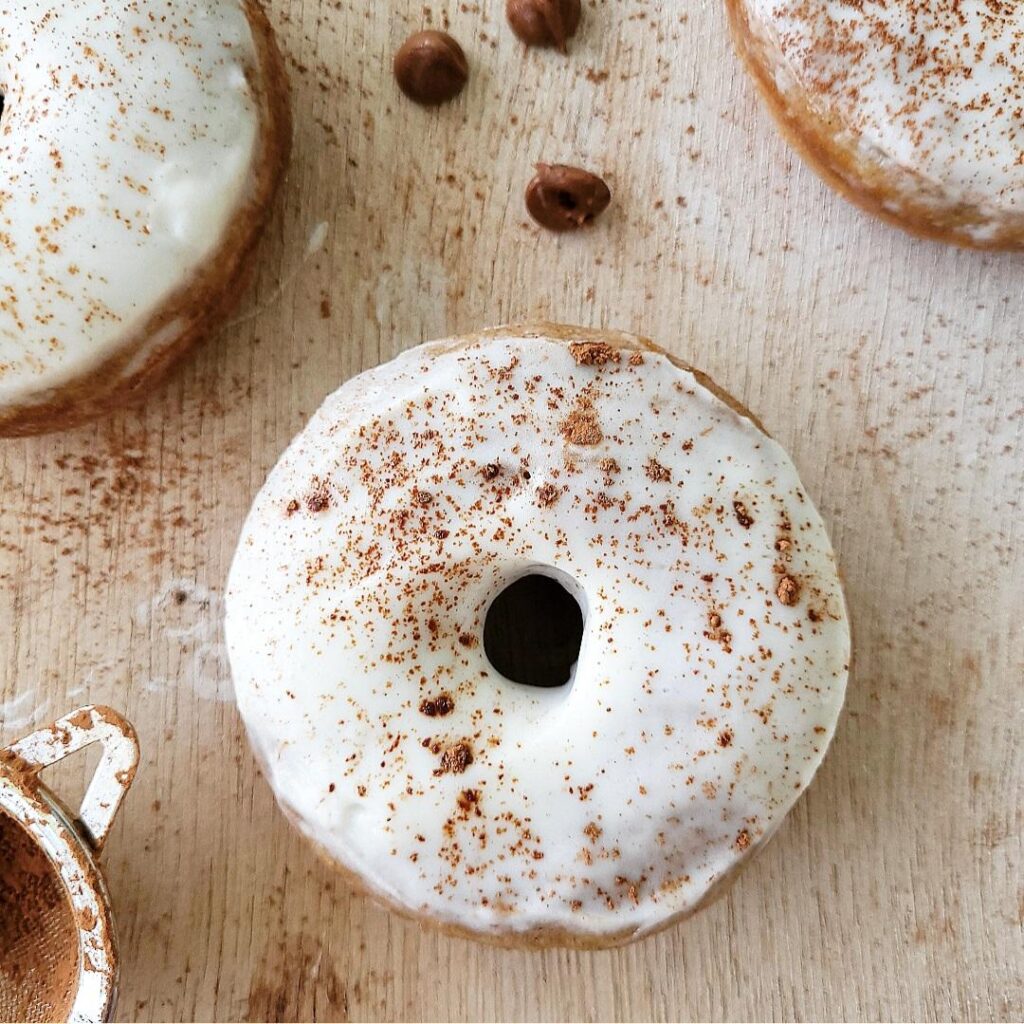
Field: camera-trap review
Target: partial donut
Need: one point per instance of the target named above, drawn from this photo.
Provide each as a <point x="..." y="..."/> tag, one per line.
<point x="707" y="683"/>
<point x="140" y="147"/>
<point x="913" y="110"/>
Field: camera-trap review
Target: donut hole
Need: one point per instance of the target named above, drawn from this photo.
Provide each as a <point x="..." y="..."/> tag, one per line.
<point x="533" y="632"/>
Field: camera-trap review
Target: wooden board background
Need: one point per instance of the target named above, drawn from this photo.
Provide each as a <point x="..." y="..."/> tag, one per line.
<point x="893" y="370"/>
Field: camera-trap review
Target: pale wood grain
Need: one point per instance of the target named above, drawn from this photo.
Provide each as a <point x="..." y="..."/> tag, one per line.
<point x="891" y="368"/>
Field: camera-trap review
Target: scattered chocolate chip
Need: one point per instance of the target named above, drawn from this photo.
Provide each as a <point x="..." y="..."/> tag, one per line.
<point x="491" y="471"/>
<point x="544" y="22"/>
<point x="431" y="68"/>
<point x="562" y="198"/>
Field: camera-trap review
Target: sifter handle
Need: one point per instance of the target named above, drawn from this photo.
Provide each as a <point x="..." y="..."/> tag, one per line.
<point x="114" y="773"/>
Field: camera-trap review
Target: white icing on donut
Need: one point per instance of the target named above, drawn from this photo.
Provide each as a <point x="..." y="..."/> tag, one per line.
<point x="127" y="143"/>
<point x="932" y="87"/>
<point x="701" y="704"/>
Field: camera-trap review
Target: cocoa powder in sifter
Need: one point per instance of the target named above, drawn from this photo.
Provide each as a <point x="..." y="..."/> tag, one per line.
<point x="39" y="955"/>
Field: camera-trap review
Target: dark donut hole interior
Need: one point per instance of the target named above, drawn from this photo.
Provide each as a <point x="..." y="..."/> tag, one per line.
<point x="533" y="632"/>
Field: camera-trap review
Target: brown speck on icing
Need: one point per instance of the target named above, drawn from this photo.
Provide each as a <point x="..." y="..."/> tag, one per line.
<point x="547" y="495"/>
<point x="718" y="633"/>
<point x="437" y="707"/>
<point x="581" y="426"/>
<point x="656" y="472"/>
<point x="743" y="517"/>
<point x="743" y="840"/>
<point x="491" y="471"/>
<point x="319" y="497"/>
<point x="469" y="802"/>
<point x="593" y="353"/>
<point x="788" y="590"/>
<point x="455" y="760"/>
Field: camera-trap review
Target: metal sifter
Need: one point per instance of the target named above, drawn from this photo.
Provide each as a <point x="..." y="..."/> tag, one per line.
<point x="58" y="955"/>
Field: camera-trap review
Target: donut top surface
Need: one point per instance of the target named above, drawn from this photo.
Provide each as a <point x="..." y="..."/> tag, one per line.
<point x="934" y="86"/>
<point x="713" y="663"/>
<point x="127" y="142"/>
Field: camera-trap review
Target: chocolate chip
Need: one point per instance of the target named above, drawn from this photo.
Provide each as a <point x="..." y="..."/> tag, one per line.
<point x="564" y="198"/>
<point x="544" y="22"/>
<point x="431" y="68"/>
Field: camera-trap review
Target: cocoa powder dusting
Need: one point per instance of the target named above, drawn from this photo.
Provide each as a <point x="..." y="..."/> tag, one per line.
<point x="437" y="707"/>
<point x="455" y="760"/>
<point x="581" y="428"/>
<point x="788" y="590"/>
<point x="547" y="495"/>
<point x="319" y="497"/>
<point x="593" y="353"/>
<point x="743" y="517"/>
<point x="656" y="472"/>
<point x="39" y="955"/>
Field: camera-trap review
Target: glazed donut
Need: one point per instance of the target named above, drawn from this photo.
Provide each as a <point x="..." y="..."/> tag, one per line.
<point x="910" y="109"/>
<point x="140" y="147"/>
<point x="709" y="679"/>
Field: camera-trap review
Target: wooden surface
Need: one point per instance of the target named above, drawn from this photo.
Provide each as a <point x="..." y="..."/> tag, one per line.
<point x="892" y="369"/>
